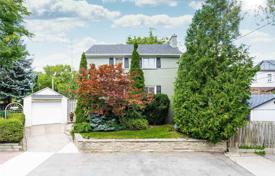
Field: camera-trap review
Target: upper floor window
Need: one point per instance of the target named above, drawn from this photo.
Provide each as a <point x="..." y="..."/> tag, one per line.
<point x="119" y="60"/>
<point x="148" y="63"/>
<point x="269" y="78"/>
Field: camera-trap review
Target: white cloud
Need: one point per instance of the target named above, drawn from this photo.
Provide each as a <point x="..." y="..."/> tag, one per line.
<point x="70" y="54"/>
<point x="140" y="20"/>
<point x="256" y="37"/>
<point x="147" y="2"/>
<point x="156" y="2"/>
<point x="252" y="5"/>
<point x="196" y="4"/>
<point x="52" y="30"/>
<point x="69" y="8"/>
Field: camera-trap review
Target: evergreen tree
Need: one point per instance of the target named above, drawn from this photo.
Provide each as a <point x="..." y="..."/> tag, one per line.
<point x="12" y="31"/>
<point x="16" y="82"/>
<point x="214" y="75"/>
<point x="83" y="62"/>
<point x="136" y="73"/>
<point x="81" y="109"/>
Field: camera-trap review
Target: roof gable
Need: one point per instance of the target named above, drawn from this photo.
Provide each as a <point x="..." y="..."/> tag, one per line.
<point x="46" y="91"/>
<point x="258" y="100"/>
<point x="121" y="49"/>
<point x="267" y="65"/>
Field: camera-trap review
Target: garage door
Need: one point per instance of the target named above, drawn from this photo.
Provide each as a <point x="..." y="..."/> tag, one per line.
<point x="46" y="113"/>
<point x="262" y="115"/>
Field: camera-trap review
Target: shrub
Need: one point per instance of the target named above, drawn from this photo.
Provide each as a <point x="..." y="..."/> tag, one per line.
<point x="18" y="116"/>
<point x="157" y="111"/>
<point x="103" y="123"/>
<point x="12" y="129"/>
<point x="83" y="127"/>
<point x="136" y="124"/>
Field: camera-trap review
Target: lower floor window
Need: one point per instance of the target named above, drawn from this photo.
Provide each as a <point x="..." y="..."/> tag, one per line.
<point x="152" y="89"/>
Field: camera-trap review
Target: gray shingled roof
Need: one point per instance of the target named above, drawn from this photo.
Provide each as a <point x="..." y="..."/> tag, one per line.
<point x="267" y="65"/>
<point x="257" y="100"/>
<point x="156" y="49"/>
<point x="36" y="96"/>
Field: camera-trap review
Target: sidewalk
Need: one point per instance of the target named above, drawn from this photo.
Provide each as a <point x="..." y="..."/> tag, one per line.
<point x="257" y="165"/>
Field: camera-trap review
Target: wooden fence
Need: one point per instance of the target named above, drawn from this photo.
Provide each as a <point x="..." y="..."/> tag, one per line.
<point x="255" y="133"/>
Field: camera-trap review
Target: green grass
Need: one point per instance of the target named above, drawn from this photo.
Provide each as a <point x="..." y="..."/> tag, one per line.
<point x="164" y="131"/>
<point x="260" y="152"/>
<point x="258" y="147"/>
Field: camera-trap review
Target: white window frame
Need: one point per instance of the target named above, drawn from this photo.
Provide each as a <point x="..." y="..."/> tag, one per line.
<point x="155" y="64"/>
<point x="269" y="78"/>
<point x="155" y="89"/>
<point x="115" y="61"/>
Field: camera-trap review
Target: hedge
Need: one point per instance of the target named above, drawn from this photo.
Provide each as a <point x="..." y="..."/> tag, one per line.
<point x="12" y="128"/>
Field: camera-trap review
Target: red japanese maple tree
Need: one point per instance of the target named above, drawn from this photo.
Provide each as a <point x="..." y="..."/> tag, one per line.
<point x="107" y="89"/>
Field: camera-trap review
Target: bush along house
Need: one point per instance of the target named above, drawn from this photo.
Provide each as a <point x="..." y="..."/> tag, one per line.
<point x="158" y="62"/>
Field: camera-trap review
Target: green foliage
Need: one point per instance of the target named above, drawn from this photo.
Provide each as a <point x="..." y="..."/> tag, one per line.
<point x="136" y="124"/>
<point x="81" y="112"/>
<point x="214" y="75"/>
<point x="83" y="127"/>
<point x="136" y="73"/>
<point x="64" y="79"/>
<point x="151" y="39"/>
<point x="17" y="80"/>
<point x="258" y="147"/>
<point x="12" y="129"/>
<point x="260" y="152"/>
<point x="17" y="116"/>
<point x="12" y="31"/>
<point x="164" y="131"/>
<point x="103" y="123"/>
<point x="157" y="111"/>
<point x="83" y="62"/>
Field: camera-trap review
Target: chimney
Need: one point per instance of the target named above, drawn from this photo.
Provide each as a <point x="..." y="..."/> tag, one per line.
<point x="173" y="42"/>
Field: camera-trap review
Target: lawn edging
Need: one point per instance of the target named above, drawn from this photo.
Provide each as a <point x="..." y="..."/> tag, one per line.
<point x="147" y="145"/>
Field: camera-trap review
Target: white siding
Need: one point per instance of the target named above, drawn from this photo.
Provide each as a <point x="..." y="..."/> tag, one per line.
<point x="265" y="112"/>
<point x="261" y="79"/>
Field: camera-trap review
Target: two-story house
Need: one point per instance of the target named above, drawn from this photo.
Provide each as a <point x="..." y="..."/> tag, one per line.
<point x="264" y="80"/>
<point x="158" y="61"/>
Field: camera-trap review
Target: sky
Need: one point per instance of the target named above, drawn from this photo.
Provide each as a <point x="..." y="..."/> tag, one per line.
<point x="63" y="29"/>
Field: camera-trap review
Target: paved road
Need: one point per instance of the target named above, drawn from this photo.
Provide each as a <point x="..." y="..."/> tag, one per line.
<point x="139" y="164"/>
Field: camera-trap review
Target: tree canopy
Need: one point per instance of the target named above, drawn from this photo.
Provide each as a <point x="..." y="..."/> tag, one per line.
<point x="214" y="75"/>
<point x="12" y="31"/>
<point x="64" y="79"/>
<point x="17" y="81"/>
<point x="151" y="39"/>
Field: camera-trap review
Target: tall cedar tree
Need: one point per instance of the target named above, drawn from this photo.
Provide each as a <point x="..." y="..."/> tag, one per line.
<point x="81" y="108"/>
<point x="17" y="81"/>
<point x="136" y="73"/>
<point x="12" y="31"/>
<point x="212" y="85"/>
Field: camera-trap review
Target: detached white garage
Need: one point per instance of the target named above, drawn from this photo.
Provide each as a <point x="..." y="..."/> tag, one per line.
<point x="262" y="107"/>
<point x="45" y="107"/>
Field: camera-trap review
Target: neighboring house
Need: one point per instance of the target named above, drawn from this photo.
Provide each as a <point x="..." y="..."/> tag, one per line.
<point x="45" y="107"/>
<point x="262" y="107"/>
<point x="264" y="80"/>
<point x="158" y="61"/>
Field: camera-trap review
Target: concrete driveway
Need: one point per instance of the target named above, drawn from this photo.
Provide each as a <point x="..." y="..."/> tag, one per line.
<point x="46" y="138"/>
<point x="139" y="164"/>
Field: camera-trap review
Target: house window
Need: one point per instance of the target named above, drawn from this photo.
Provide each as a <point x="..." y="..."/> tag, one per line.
<point x="149" y="63"/>
<point x="269" y="78"/>
<point x="152" y="89"/>
<point x="120" y="60"/>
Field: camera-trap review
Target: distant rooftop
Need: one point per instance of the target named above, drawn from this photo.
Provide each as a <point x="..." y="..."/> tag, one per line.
<point x="122" y="49"/>
<point x="257" y="100"/>
<point x="267" y="65"/>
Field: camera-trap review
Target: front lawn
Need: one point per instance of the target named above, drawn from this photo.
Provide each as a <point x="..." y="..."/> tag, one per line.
<point x="164" y="131"/>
